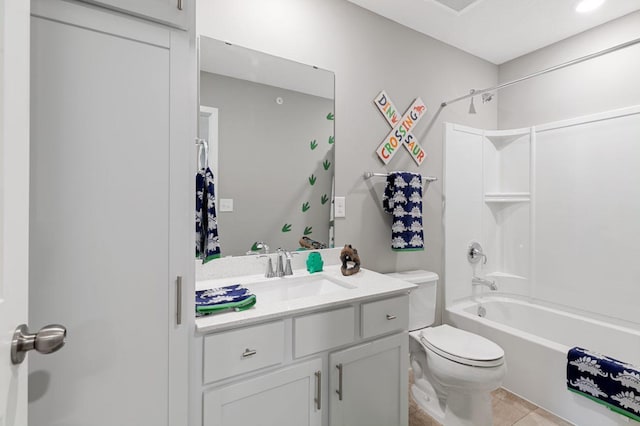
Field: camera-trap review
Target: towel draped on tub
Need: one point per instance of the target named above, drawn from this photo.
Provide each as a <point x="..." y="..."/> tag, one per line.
<point x="403" y="199"/>
<point x="605" y="380"/>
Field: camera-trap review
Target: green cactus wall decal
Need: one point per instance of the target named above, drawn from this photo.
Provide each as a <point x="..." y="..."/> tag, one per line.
<point x="326" y="164"/>
<point x="324" y="199"/>
<point x="312" y="180"/>
<point x="330" y="116"/>
<point x="331" y="140"/>
<point x="306" y="206"/>
<point x="286" y="227"/>
<point x="307" y="230"/>
<point x="313" y="144"/>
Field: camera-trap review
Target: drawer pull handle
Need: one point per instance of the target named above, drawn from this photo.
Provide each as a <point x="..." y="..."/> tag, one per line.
<point x="249" y="352"/>
<point x="391" y="317"/>
<point x="318" y="389"/>
<point x="339" y="390"/>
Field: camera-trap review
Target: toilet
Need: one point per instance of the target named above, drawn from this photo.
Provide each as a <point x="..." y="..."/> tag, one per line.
<point x="454" y="371"/>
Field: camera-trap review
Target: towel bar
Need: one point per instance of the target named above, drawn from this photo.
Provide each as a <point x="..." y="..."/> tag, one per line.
<point x="368" y="175"/>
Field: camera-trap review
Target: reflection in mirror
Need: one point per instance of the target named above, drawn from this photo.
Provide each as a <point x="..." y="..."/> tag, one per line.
<point x="269" y="124"/>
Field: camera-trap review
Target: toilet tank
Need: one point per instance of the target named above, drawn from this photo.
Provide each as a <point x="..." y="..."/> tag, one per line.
<point x="422" y="300"/>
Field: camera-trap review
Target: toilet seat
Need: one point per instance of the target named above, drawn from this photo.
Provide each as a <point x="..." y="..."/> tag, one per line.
<point x="462" y="347"/>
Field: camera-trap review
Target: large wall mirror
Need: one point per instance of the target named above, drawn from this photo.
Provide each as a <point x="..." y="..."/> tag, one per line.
<point x="269" y="123"/>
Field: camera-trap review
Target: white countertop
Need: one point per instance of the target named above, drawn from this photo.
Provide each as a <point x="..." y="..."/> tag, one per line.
<point x="365" y="284"/>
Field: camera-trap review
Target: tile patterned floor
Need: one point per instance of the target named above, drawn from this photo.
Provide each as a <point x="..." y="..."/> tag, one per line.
<point x="508" y="410"/>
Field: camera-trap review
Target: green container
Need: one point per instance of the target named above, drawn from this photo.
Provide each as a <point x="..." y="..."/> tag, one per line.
<point x="314" y="262"/>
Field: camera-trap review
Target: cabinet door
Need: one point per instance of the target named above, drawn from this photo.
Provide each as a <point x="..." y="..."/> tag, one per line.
<point x="104" y="221"/>
<point x="291" y="396"/>
<point x="170" y="12"/>
<point x="368" y="384"/>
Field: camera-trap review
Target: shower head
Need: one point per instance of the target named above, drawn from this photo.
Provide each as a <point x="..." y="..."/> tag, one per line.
<point x="472" y="108"/>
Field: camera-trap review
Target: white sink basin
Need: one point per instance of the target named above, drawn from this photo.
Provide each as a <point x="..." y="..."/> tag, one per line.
<point x="288" y="288"/>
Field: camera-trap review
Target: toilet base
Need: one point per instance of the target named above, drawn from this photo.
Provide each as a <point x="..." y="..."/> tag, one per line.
<point x="461" y="409"/>
<point x="465" y="409"/>
<point x="428" y="402"/>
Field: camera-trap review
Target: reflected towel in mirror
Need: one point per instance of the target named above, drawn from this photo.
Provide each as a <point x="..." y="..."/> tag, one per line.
<point x="207" y="240"/>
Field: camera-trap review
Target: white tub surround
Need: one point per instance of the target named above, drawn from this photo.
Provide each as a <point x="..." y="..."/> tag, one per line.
<point x="555" y="210"/>
<point x="536" y="340"/>
<point x="554" y="207"/>
<point x="316" y="349"/>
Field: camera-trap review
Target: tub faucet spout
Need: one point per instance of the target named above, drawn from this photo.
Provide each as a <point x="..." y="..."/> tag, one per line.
<point x="481" y="281"/>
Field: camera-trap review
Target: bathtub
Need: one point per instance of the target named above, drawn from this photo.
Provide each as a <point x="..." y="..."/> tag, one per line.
<point x="536" y="339"/>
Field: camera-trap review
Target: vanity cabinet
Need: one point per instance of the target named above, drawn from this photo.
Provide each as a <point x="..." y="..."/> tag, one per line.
<point x="368" y="383"/>
<point x="291" y="396"/>
<point x="344" y="366"/>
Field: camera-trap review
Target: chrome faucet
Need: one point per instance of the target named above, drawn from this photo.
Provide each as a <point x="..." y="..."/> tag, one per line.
<point x="481" y="281"/>
<point x="283" y="265"/>
<point x="280" y="263"/>
<point x="287" y="268"/>
<point x="269" y="271"/>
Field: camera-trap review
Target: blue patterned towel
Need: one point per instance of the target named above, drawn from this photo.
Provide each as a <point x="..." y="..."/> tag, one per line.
<point x="207" y="241"/>
<point x="403" y="199"/>
<point x="233" y="297"/>
<point x="605" y="380"/>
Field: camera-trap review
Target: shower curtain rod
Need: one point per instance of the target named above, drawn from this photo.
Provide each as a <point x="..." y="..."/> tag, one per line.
<point x="547" y="70"/>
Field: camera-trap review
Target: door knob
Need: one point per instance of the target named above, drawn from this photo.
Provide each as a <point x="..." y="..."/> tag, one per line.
<point x="49" y="339"/>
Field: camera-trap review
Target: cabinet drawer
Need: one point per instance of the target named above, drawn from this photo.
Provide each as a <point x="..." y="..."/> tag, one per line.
<point x="384" y="316"/>
<point x="239" y="351"/>
<point x="325" y="330"/>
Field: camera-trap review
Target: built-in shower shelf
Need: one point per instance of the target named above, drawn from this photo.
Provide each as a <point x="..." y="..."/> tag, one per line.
<point x="507" y="197"/>
<point x="502" y="138"/>
<point x="505" y="275"/>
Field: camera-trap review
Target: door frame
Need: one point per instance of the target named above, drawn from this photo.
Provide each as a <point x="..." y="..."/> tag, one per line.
<point x="14" y="201"/>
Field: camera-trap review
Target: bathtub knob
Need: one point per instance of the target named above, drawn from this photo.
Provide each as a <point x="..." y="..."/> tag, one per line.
<point x="474" y="253"/>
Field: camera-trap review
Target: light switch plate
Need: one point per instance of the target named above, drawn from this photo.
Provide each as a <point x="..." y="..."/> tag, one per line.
<point x="340" y="208"/>
<point x="226" y="204"/>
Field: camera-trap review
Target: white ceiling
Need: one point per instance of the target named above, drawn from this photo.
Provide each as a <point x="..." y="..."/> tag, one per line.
<point x="497" y="30"/>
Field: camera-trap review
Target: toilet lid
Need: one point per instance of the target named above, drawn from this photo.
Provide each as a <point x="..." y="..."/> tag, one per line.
<point x="462" y="347"/>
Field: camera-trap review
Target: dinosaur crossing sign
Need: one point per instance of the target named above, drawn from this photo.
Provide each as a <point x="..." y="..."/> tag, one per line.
<point x="400" y="129"/>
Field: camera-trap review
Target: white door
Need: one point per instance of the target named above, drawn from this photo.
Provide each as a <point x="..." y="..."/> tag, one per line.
<point x="14" y="202"/>
<point x="106" y="227"/>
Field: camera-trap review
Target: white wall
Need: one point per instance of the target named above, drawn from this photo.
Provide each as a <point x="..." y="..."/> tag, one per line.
<point x="367" y="53"/>
<point x="600" y="84"/>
